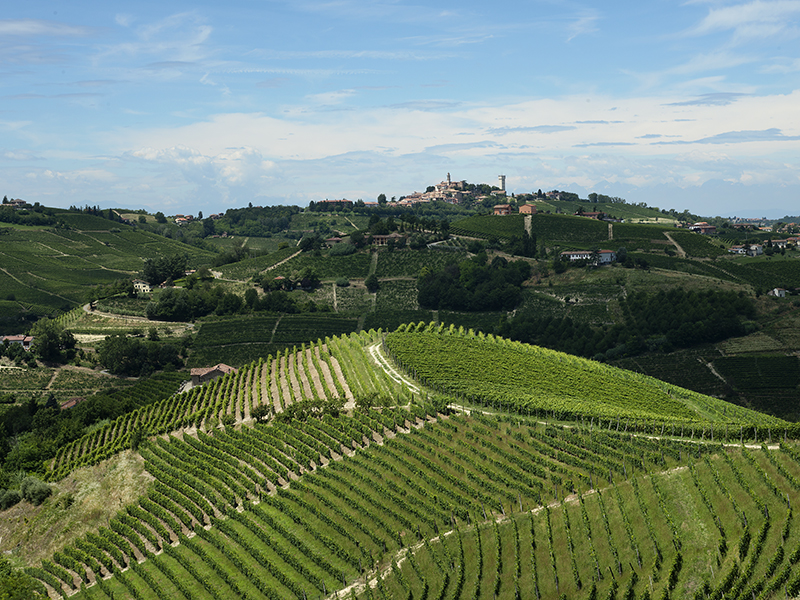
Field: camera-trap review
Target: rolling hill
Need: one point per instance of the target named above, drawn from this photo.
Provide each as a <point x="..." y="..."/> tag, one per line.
<point x="366" y="485"/>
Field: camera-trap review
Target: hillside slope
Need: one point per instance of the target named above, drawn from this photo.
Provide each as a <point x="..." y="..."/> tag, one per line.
<point x="533" y="380"/>
<point x="395" y="496"/>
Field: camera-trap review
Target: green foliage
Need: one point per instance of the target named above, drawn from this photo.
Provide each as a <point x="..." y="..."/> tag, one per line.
<point x="16" y="584"/>
<point x="342" y="249"/>
<point x="652" y="322"/>
<point x="410" y="263"/>
<point x="488" y="226"/>
<point x="330" y="266"/>
<point x="372" y="283"/>
<point x="163" y="268"/>
<point x="474" y="286"/>
<point x="35" y="490"/>
<point x="123" y="355"/>
<point x="9" y="498"/>
<point x="52" y="342"/>
<point x="698" y="245"/>
<point x="760" y="372"/>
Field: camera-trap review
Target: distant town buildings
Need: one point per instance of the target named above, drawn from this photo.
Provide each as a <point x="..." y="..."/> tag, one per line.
<point x="448" y="191"/>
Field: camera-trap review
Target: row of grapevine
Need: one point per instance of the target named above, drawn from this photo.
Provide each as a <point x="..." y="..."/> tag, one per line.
<point x="230" y="397"/>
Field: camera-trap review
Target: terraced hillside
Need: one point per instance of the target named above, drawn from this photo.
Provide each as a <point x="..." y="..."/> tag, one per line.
<point x="45" y="269"/>
<point x="365" y="485"/>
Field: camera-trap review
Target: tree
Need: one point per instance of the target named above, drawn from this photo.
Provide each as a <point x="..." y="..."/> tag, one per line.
<point x="357" y="239"/>
<point x="209" y="228"/>
<point x="381" y="199"/>
<point x="372" y="283"/>
<point x="160" y="218"/>
<point x="51" y="341"/>
<point x="199" y="214"/>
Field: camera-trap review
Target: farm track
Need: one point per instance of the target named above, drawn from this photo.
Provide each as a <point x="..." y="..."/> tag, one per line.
<point x="383" y="363"/>
<point x="681" y="252"/>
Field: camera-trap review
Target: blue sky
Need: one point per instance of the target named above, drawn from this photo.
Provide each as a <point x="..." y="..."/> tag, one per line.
<point x="205" y="106"/>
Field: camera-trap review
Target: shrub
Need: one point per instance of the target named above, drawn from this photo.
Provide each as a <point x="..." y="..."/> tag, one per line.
<point x="34" y="490"/>
<point x="9" y="498"/>
<point x="372" y="283"/>
<point x="342" y="281"/>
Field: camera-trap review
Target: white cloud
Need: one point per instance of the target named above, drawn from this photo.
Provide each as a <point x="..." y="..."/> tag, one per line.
<point x="751" y="20"/>
<point x="81" y="175"/>
<point x="584" y="23"/>
<point x="181" y="37"/>
<point x="37" y="27"/>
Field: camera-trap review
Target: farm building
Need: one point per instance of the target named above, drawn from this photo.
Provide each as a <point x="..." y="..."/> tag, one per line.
<point x="141" y="287"/>
<point x="383" y="240"/>
<point x="72" y="402"/>
<point x="527" y="209"/>
<point x="502" y="209"/>
<point x="205" y="374"/>
<point x="24" y="340"/>
<point x="605" y="257"/>
<point x="703" y="228"/>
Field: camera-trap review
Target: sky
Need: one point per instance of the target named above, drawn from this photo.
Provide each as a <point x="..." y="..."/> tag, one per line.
<point x="185" y="107"/>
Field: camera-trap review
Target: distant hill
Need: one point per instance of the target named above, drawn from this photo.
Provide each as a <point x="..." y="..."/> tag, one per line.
<point x="46" y="269"/>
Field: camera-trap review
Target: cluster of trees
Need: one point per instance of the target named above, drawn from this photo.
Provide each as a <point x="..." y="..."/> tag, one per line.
<point x="652" y="322"/>
<point x="31" y="432"/>
<point x="16" y="353"/>
<point x="474" y="285"/>
<point x="52" y="343"/>
<point x="186" y="304"/>
<point x="165" y="268"/>
<point x="602" y="198"/>
<point x="123" y="355"/>
<point x="202" y="299"/>
<point x="31" y="489"/>
<point x="257" y="221"/>
<point x="36" y="216"/>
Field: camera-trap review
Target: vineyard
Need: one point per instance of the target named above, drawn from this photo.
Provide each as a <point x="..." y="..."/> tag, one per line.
<point x="530" y="380"/>
<point x="366" y="485"/>
<point x="410" y="263"/>
<point x="258" y="336"/>
<point x="52" y="269"/>
<point x="487" y="226"/>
